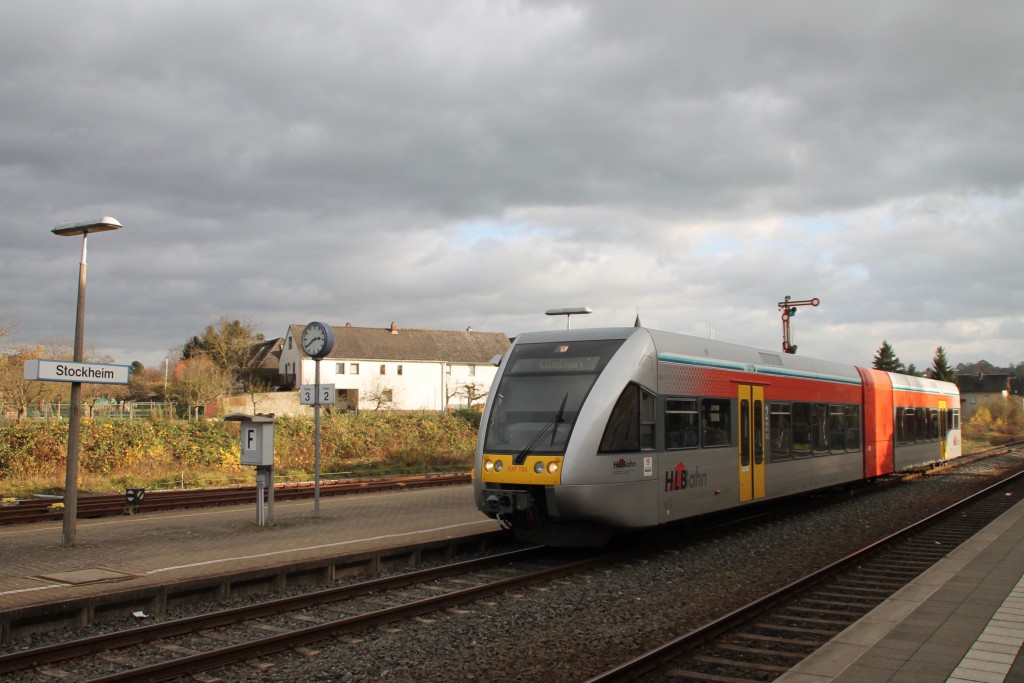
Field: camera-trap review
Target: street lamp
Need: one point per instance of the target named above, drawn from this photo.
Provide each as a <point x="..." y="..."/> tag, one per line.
<point x="74" y="423"/>
<point x="580" y="310"/>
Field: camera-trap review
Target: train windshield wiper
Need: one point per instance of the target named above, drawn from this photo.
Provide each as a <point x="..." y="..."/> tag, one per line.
<point x="520" y="457"/>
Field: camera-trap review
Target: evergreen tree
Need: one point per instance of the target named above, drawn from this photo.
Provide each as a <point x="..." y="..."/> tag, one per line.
<point x="886" y="359"/>
<point x="940" y="367"/>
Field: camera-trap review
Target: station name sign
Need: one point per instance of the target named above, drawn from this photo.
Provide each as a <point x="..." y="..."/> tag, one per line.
<point x="68" y="371"/>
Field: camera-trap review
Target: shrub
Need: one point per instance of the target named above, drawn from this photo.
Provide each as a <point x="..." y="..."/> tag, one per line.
<point x="118" y="454"/>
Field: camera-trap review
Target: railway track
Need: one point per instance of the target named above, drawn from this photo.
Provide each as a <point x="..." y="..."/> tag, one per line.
<point x="290" y="632"/>
<point x="44" y="509"/>
<point x="766" y="638"/>
<point x="187" y="646"/>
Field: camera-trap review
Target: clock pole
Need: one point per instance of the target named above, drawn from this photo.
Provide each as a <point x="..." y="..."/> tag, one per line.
<point x="316" y="445"/>
<point x="317" y="341"/>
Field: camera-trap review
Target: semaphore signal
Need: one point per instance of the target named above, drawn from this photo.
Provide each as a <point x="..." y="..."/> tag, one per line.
<point x="788" y="308"/>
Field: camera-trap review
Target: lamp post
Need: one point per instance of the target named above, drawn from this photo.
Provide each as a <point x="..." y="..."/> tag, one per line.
<point x="74" y="423"/>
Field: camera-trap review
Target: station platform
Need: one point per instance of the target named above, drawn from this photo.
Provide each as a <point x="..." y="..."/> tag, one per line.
<point x="962" y="620"/>
<point x="145" y="551"/>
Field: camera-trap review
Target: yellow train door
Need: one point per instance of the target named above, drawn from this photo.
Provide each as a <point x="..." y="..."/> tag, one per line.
<point x="751" y="451"/>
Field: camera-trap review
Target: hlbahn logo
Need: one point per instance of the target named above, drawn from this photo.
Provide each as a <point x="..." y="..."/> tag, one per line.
<point x="622" y="465"/>
<point x="679" y="479"/>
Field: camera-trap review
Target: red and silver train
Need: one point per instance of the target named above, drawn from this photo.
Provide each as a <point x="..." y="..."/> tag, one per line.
<point x="590" y="431"/>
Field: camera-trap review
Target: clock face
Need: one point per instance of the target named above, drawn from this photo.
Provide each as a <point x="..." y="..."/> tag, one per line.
<point x="314" y="340"/>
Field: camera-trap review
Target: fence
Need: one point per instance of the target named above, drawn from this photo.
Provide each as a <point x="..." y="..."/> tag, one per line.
<point x="101" y="411"/>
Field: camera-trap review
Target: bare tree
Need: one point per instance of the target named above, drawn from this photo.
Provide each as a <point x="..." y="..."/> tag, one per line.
<point x="18" y="393"/>
<point x="145" y="384"/>
<point x="198" y="381"/>
<point x="471" y="392"/>
<point x="233" y="346"/>
<point x="254" y="388"/>
<point x="6" y="328"/>
<point x="380" y="395"/>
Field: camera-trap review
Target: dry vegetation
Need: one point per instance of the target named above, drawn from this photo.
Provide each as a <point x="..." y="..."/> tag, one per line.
<point x="155" y="454"/>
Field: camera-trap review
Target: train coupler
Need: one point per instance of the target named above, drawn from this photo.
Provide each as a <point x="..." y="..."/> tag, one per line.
<point x="506" y="501"/>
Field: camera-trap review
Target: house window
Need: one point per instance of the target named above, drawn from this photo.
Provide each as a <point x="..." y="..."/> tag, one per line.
<point x="387" y="395"/>
<point x="399" y="369"/>
<point x="353" y="368"/>
<point x="472" y="370"/>
<point x="339" y="368"/>
<point x="383" y="369"/>
<point x="289" y="343"/>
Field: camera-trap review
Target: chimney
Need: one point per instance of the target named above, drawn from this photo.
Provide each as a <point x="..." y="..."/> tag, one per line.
<point x="394" y="327"/>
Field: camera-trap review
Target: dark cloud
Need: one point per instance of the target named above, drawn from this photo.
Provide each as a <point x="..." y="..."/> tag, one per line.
<point x="473" y="164"/>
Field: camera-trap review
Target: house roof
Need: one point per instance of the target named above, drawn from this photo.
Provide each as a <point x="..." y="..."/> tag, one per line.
<point x="983" y="384"/>
<point x="268" y="354"/>
<point x="394" y="343"/>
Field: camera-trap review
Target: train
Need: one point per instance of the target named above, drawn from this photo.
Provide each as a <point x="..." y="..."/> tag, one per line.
<point x="587" y="433"/>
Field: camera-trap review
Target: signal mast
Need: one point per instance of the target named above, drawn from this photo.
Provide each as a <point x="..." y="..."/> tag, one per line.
<point x="788" y="308"/>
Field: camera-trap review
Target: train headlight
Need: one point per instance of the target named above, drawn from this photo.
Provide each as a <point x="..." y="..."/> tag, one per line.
<point x="538" y="467"/>
<point x="499" y="466"/>
<point x="488" y="466"/>
<point x="552" y="468"/>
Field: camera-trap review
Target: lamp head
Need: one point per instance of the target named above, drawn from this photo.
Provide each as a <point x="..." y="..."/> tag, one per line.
<point x="99" y="225"/>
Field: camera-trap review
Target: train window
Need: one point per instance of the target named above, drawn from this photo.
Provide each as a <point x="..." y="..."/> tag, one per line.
<point x="933" y="424"/>
<point x="853" y="428"/>
<point x="921" y="418"/>
<point x="745" y="433"/>
<point x="902" y="435"/>
<point x="956" y="418"/>
<point x="631" y="425"/>
<point x="758" y="432"/>
<point x="714" y="422"/>
<point x="801" y="429"/>
<point x="647" y="420"/>
<point x="541" y="393"/>
<point x="780" y="423"/>
<point x="837" y="428"/>
<point x="819" y="428"/>
<point x="681" y="424"/>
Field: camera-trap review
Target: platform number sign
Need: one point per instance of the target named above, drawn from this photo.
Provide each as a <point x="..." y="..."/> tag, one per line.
<point x="308" y="394"/>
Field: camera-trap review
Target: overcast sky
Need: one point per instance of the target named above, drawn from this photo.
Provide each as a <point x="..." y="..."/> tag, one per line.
<point x="463" y="164"/>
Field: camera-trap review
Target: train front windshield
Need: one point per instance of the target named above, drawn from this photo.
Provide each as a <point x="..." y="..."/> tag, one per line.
<point x="541" y="392"/>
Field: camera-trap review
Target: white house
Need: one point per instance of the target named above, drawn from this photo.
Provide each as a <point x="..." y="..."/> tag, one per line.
<point x="402" y="369"/>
